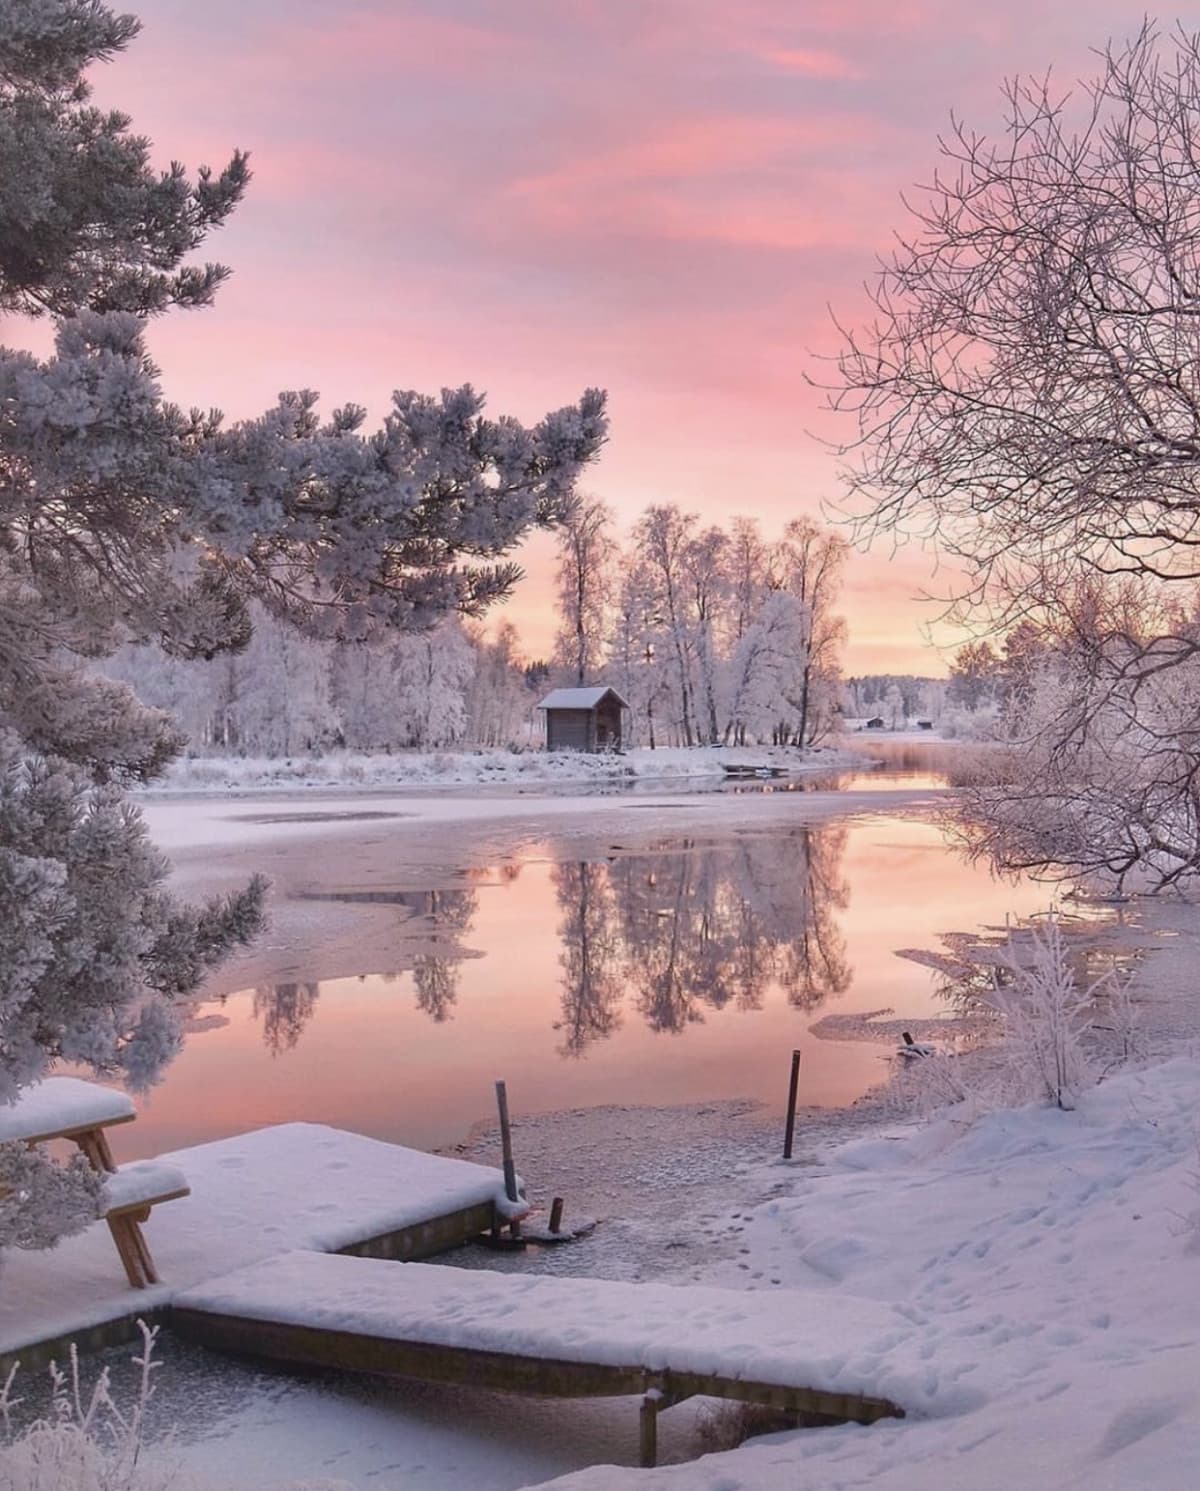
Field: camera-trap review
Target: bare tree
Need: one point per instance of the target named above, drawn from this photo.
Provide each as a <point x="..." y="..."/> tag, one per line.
<point x="1026" y="398"/>
<point x="1026" y="391"/>
<point x="586" y="555"/>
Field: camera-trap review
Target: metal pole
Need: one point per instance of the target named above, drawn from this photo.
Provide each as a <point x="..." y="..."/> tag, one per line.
<point x="793" y="1087"/>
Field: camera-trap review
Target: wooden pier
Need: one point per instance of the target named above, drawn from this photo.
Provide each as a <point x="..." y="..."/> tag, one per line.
<point x="253" y="1196"/>
<point x="542" y="1336"/>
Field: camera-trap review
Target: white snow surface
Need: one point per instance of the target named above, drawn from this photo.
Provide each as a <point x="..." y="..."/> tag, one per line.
<point x="838" y="1344"/>
<point x="61" y="1104"/>
<point x="1059" y="1251"/>
<point x="296" y="1185"/>
<point x="584" y="698"/>
<point x="375" y="770"/>
<point x="141" y="1181"/>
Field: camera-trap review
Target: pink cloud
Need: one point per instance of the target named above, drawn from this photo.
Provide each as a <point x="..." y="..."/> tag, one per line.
<point x="535" y="196"/>
<point x="811" y="62"/>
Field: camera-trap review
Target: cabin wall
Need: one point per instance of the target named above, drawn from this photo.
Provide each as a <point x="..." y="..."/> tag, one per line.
<point x="607" y="736"/>
<point x="568" y="729"/>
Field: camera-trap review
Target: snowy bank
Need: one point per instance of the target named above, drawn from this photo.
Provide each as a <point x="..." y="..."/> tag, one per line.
<point x="1060" y="1250"/>
<point x="353" y="769"/>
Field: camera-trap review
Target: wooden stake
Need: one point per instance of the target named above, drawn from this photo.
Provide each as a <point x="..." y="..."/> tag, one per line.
<point x="793" y="1087"/>
<point x="908" y="1040"/>
<point x="510" y="1169"/>
<point x="556" y="1210"/>
<point x="648" y="1447"/>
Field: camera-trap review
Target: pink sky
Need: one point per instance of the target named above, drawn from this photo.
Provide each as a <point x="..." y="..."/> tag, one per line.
<point x="662" y="197"/>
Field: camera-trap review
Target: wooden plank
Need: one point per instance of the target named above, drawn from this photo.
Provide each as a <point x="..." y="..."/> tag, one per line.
<point x="136" y="1208"/>
<point x="72" y="1131"/>
<point x="385" y="1357"/>
<point x="510" y="1372"/>
<point x="35" y="1356"/>
<point x="425" y="1239"/>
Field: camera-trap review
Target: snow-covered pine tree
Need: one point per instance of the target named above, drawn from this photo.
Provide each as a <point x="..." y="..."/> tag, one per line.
<point x="124" y="518"/>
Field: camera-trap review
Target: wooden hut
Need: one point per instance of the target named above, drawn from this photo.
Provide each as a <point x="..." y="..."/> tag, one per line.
<point x="584" y="719"/>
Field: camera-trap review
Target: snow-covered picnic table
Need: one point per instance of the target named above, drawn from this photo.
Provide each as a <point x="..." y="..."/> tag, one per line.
<point x="69" y="1108"/>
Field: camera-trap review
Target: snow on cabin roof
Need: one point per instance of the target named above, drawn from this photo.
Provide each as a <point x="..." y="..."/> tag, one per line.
<point x="579" y="698"/>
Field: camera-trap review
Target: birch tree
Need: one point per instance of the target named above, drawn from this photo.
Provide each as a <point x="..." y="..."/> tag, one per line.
<point x="586" y="555"/>
<point x="663" y="540"/>
<point x="808" y="564"/>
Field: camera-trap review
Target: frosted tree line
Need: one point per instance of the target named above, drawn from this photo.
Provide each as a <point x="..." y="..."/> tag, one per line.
<point x="712" y="634"/>
<point x="125" y="519"/>
<point x="286" y="694"/>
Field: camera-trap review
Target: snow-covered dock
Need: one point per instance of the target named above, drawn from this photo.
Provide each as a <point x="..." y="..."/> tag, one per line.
<point x="295" y="1185"/>
<point x="843" y="1360"/>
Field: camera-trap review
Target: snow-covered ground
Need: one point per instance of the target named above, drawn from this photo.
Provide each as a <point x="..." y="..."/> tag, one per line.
<point x="353" y="769"/>
<point x="1059" y="1250"/>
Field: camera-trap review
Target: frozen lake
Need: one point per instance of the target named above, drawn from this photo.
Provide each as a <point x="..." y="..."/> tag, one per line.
<point x="671" y="956"/>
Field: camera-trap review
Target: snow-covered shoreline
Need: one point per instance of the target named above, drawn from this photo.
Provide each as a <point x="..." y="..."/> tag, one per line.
<point x="354" y="770"/>
<point x="1063" y="1246"/>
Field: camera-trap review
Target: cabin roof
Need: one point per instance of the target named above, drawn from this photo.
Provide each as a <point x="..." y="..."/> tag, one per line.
<point x="579" y="698"/>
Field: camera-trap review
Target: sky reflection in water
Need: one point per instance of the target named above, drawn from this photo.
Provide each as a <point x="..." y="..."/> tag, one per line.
<point x="680" y="975"/>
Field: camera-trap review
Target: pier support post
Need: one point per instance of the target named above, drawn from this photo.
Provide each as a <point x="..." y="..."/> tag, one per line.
<point x="648" y="1443"/>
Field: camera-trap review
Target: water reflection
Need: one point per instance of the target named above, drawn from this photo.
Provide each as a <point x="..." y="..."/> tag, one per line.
<point x="715" y="925"/>
<point x="593" y="957"/>
<point x="284" y="1009"/>
<point x="681" y="973"/>
<point x="688" y="927"/>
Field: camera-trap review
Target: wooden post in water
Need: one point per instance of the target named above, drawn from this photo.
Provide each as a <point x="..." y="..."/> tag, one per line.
<point x="793" y="1087"/>
<point x="510" y="1169"/>
<point x="556" y="1211"/>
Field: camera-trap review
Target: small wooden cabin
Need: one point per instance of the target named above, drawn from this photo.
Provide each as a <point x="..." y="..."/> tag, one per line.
<point x="875" y="723"/>
<point x="584" y="719"/>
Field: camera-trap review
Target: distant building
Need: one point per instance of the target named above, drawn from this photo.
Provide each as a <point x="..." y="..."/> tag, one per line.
<point x="875" y="724"/>
<point x="924" y="724"/>
<point x="584" y="719"/>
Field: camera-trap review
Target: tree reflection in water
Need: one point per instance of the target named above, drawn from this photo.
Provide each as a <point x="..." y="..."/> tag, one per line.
<point x="688" y="927"/>
<point x="448" y="914"/>
<point x="284" y="1009"/>
<point x="695" y="926"/>
<point x="592" y="955"/>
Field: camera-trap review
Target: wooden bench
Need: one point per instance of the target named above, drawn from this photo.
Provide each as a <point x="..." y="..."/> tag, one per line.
<point x="130" y="1192"/>
<point x="68" y="1108"/>
<point x="80" y="1112"/>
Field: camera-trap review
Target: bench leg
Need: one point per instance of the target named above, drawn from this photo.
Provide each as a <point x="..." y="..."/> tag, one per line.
<point x="94" y="1144"/>
<point x="124" y="1235"/>
<point x="133" y="1248"/>
<point x="149" y="1272"/>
